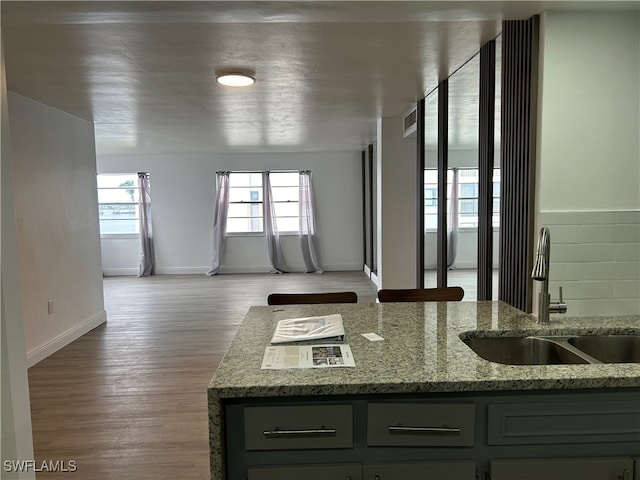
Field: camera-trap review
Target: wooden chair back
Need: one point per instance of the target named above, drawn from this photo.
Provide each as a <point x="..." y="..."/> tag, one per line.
<point x="304" y="298"/>
<point x="443" y="294"/>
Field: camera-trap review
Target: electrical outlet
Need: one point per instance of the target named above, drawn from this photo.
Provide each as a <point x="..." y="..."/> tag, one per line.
<point x="50" y="307"/>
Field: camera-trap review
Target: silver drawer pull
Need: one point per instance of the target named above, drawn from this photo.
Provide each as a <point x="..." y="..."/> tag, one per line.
<point x="301" y="433"/>
<point x="399" y="429"/>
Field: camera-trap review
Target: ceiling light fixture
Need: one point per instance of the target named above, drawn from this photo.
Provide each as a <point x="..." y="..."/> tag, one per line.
<point x="235" y="79"/>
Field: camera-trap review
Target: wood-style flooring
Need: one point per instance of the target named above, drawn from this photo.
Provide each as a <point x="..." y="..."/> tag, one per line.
<point x="128" y="400"/>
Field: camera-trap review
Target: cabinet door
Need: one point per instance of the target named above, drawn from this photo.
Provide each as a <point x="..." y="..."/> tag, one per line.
<point x="445" y="470"/>
<point x="563" y="469"/>
<point x="421" y="424"/>
<point x="298" y="427"/>
<point x="307" y="472"/>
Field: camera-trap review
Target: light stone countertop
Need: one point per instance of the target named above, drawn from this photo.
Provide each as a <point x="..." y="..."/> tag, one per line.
<point x="421" y="352"/>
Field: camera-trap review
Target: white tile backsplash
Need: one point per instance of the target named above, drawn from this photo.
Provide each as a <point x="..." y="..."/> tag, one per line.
<point x="566" y="234"/>
<point x="583" y="290"/>
<point x="595" y="257"/>
<point x="610" y="271"/>
<point x="628" y="217"/>
<point x="583" y="252"/>
<point x="565" y="271"/>
<point x="595" y="308"/>
<point x="578" y="218"/>
<point x="626" y="288"/>
<point x="628" y="252"/>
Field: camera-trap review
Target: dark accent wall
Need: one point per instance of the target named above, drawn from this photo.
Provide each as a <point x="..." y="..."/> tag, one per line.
<point x="420" y="125"/>
<point x="443" y="165"/>
<point x="486" y="152"/>
<point x="518" y="153"/>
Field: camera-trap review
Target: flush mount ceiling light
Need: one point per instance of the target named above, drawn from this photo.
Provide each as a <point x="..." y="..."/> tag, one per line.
<point x="235" y="78"/>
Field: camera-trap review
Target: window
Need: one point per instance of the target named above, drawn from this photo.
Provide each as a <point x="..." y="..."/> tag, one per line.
<point x="246" y="202"/>
<point x="467" y="197"/>
<point x="118" y="204"/>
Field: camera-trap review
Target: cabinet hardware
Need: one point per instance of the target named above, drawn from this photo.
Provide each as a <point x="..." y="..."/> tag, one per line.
<point x="626" y="475"/>
<point x="398" y="429"/>
<point x="300" y="433"/>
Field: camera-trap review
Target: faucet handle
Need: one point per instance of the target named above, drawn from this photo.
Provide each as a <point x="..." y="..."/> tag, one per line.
<point x="559" y="306"/>
<point x="560" y="293"/>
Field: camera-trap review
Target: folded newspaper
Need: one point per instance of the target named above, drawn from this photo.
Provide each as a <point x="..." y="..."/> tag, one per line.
<point x="328" y="327"/>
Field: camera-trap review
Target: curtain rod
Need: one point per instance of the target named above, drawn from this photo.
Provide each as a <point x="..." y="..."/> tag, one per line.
<point x="260" y="171"/>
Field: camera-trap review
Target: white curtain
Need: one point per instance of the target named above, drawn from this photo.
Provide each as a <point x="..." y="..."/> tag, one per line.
<point x="452" y="221"/>
<point x="308" y="236"/>
<point x="271" y="228"/>
<point x="147" y="256"/>
<point x="220" y="221"/>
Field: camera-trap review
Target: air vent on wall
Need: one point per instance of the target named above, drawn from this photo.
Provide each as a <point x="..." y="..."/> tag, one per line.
<point x="410" y="121"/>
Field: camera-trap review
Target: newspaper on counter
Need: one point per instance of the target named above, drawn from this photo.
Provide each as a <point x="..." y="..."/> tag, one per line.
<point x="328" y="328"/>
<point x="278" y="357"/>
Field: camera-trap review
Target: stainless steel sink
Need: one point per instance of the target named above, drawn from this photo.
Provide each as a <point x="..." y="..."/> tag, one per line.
<point x="609" y="348"/>
<point x="556" y="349"/>
<point x="523" y="351"/>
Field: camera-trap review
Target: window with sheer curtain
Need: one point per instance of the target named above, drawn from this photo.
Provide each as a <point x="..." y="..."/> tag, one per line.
<point x="246" y="202"/>
<point x="118" y="208"/>
<point x="467" y="216"/>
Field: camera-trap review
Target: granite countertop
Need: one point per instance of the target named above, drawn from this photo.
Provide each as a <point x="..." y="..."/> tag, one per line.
<point x="422" y="352"/>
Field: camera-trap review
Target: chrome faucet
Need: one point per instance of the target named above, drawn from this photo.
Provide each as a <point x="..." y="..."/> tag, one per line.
<point x="541" y="273"/>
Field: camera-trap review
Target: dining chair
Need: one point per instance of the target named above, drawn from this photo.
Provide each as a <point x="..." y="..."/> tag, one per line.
<point x="304" y="298"/>
<point x="442" y="294"/>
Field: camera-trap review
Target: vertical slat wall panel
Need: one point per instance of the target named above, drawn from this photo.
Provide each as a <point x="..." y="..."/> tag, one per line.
<point x="372" y="165"/>
<point x="443" y="166"/>
<point x="518" y="132"/>
<point x="364" y="208"/>
<point x="420" y="192"/>
<point x="486" y="152"/>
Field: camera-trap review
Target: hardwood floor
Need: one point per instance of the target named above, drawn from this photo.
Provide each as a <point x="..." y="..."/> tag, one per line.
<point x="128" y="399"/>
<point x="465" y="278"/>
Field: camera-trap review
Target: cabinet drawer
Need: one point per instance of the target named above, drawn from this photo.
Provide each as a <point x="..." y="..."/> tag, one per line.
<point x="298" y="427"/>
<point x="445" y="470"/>
<point x="553" y="423"/>
<point x="421" y="424"/>
<point x="562" y="469"/>
<point x="307" y="472"/>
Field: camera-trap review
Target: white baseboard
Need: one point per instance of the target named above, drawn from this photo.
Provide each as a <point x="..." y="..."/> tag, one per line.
<point x="182" y="270"/>
<point x="65" y="338"/>
<point x="117" y="272"/>
<point x="225" y="270"/>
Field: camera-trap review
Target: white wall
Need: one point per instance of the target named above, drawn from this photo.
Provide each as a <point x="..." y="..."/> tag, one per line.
<point x="589" y="160"/>
<point x="56" y="201"/>
<point x="15" y="419"/>
<point x="397" y="206"/>
<point x="183" y="194"/>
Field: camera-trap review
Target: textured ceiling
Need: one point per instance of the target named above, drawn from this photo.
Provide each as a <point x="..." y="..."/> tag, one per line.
<point x="143" y="72"/>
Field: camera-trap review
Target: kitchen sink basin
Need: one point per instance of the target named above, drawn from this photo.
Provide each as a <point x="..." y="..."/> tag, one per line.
<point x="609" y="348"/>
<point x="556" y="349"/>
<point x="523" y="351"/>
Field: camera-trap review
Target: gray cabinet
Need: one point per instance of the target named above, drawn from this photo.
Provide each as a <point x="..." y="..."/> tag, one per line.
<point x="561" y="422"/>
<point x="454" y="470"/>
<point x="563" y="469"/>
<point x="574" y="435"/>
<point x="421" y="424"/>
<point x="298" y="427"/>
<point x="307" y="472"/>
<point x="445" y="470"/>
